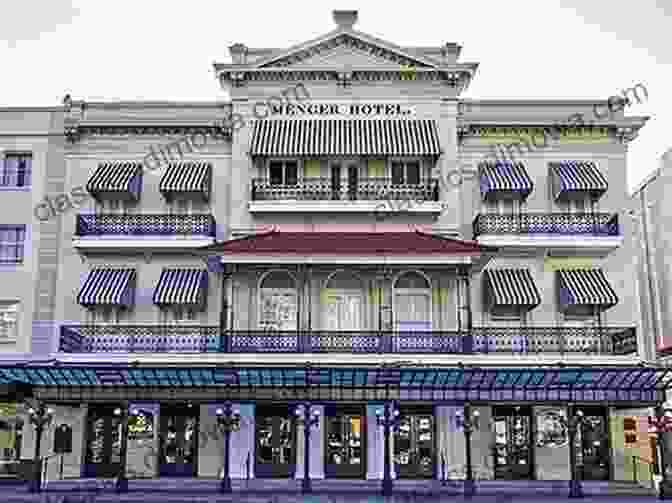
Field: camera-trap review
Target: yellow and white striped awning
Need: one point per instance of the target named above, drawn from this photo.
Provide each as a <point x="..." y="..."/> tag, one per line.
<point x="318" y="137"/>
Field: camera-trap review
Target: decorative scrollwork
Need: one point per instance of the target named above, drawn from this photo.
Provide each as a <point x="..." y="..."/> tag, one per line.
<point x="596" y="224"/>
<point x="146" y="225"/>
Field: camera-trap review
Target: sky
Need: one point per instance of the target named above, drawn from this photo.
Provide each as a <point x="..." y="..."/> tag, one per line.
<point x="164" y="50"/>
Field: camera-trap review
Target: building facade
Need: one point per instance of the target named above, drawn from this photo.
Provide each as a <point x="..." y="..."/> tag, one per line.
<point x="346" y="230"/>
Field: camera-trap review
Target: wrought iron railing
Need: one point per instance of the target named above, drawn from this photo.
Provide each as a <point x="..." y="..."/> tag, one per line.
<point x="597" y="224"/>
<point x="365" y="189"/>
<point x="145" y="225"/>
<point x="481" y="340"/>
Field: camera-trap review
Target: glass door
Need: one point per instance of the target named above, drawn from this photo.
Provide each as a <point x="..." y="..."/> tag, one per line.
<point x="513" y="443"/>
<point x="103" y="442"/>
<point x="414" y="444"/>
<point x="178" y="446"/>
<point x="592" y="443"/>
<point x="275" y="449"/>
<point x="345" y="443"/>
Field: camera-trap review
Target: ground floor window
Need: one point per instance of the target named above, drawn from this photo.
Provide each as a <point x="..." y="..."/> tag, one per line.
<point x="11" y="426"/>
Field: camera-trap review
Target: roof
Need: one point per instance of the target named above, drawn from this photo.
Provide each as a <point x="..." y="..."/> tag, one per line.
<point x="347" y="243"/>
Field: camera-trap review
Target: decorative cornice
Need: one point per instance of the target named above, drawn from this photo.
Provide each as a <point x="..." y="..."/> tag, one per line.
<point x="527" y="131"/>
<point x="75" y="133"/>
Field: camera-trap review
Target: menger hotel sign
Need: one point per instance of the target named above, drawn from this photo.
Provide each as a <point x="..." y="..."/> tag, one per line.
<point x="341" y="109"/>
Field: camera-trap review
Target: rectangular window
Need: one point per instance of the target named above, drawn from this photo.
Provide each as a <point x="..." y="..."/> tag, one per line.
<point x="16" y="170"/>
<point x="9" y="321"/>
<point x="405" y="173"/>
<point x="283" y="172"/>
<point x="580" y="313"/>
<point x="183" y="314"/>
<point x="512" y="313"/>
<point x="12" y="239"/>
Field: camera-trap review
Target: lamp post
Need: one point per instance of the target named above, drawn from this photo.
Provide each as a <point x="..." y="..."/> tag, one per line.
<point x="662" y="426"/>
<point x="228" y="421"/>
<point x="389" y="420"/>
<point x="308" y="421"/>
<point x="469" y="422"/>
<point x="573" y="423"/>
<point x="40" y="416"/>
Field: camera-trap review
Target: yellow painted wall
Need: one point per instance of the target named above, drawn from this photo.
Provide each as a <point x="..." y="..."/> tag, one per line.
<point x="312" y="168"/>
<point x="376" y="168"/>
<point x="440" y="296"/>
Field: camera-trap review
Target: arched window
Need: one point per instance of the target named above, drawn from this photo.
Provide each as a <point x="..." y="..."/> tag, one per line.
<point x="412" y="303"/>
<point x="343" y="302"/>
<point x="278" y="301"/>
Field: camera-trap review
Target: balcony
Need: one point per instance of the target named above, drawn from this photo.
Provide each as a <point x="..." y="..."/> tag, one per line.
<point x="599" y="232"/>
<point x="560" y="341"/>
<point x="158" y="231"/>
<point x="364" y="195"/>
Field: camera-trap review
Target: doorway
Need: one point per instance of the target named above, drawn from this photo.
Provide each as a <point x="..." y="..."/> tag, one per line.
<point x="178" y="441"/>
<point x="415" y="444"/>
<point x="592" y="442"/>
<point x="345" y="442"/>
<point x="513" y="443"/>
<point x="275" y="443"/>
<point x="103" y="442"/>
<point x="353" y="182"/>
<point x="336" y="182"/>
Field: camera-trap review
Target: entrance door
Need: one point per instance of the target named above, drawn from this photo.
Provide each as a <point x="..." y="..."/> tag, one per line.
<point x="414" y="444"/>
<point x="275" y="449"/>
<point x="336" y="182"/>
<point x="513" y="443"/>
<point x="345" y="442"/>
<point x="103" y="442"/>
<point x="344" y="310"/>
<point x="178" y="441"/>
<point x="353" y="182"/>
<point x="592" y="441"/>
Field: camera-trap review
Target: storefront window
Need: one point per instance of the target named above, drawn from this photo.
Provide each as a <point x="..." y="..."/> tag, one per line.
<point x="11" y="426"/>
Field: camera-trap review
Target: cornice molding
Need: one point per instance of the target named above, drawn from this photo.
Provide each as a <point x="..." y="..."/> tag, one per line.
<point x="75" y="133"/>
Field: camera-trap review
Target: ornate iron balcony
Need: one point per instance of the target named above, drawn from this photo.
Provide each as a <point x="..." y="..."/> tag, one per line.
<point x="325" y="189"/>
<point x="481" y="340"/>
<point x="146" y="225"/>
<point x="595" y="224"/>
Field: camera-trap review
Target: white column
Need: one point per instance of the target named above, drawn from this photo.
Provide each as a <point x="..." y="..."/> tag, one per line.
<point x="316" y="467"/>
<point x="375" y="445"/>
<point x="450" y="442"/>
<point x="242" y="442"/>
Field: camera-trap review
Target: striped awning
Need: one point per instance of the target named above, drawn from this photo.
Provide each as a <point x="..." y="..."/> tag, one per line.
<point x="116" y="178"/>
<point x="182" y="286"/>
<point x="504" y="176"/>
<point x="106" y="286"/>
<point x="187" y="177"/>
<point x="577" y="176"/>
<point x="586" y="287"/>
<point x="512" y="287"/>
<point x="317" y="137"/>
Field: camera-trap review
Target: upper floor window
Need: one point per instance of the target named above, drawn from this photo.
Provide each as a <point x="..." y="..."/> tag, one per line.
<point x="405" y="173"/>
<point x="9" y="314"/>
<point x="16" y="170"/>
<point x="283" y="172"/>
<point x="12" y="239"/>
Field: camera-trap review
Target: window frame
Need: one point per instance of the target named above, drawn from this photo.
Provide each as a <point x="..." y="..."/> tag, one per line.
<point x="25" y="156"/>
<point x="6" y="307"/>
<point x="405" y="162"/>
<point x="283" y="166"/>
<point x="18" y="245"/>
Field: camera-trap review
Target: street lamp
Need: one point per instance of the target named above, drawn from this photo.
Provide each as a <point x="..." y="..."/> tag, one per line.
<point x="228" y="421"/>
<point x="40" y="416"/>
<point x="389" y="419"/>
<point x="662" y="426"/>
<point x="573" y="423"/>
<point x="308" y="421"/>
<point x="469" y="421"/>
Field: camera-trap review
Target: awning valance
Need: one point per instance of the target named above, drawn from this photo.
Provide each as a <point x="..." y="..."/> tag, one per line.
<point x="116" y="179"/>
<point x="512" y="287"/>
<point x="504" y="176"/>
<point x="570" y="177"/>
<point x="319" y="137"/>
<point x="187" y="177"/>
<point x="586" y="287"/>
<point x="182" y="287"/>
<point x="106" y="286"/>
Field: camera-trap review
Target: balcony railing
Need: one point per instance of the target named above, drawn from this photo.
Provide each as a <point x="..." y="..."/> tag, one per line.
<point x="364" y="189"/>
<point x="595" y="224"/>
<point x="145" y="225"/>
<point x="481" y="340"/>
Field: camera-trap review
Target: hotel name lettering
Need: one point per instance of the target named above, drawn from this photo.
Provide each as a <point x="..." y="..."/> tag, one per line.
<point x="341" y="109"/>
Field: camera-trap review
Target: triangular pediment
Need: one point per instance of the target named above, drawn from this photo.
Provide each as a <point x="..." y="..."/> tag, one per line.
<point x="343" y="50"/>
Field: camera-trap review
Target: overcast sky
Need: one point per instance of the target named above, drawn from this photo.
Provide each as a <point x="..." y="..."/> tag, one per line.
<point x="164" y="50"/>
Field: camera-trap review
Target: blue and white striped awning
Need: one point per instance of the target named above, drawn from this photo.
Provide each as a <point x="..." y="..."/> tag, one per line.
<point x="106" y="286"/>
<point x="182" y="286"/>
<point x="512" y="287"/>
<point x="317" y="137"/>
<point x="116" y="178"/>
<point x="187" y="176"/>
<point x="577" y="176"/>
<point x="504" y="176"/>
<point x="586" y="287"/>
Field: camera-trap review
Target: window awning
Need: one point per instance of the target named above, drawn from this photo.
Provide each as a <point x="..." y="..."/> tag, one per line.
<point x="586" y="287"/>
<point x="577" y="177"/>
<point x="187" y="177"/>
<point x="504" y="176"/>
<point x="316" y="137"/>
<point x="512" y="287"/>
<point x="105" y="286"/>
<point x="121" y="180"/>
<point x="182" y="287"/>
